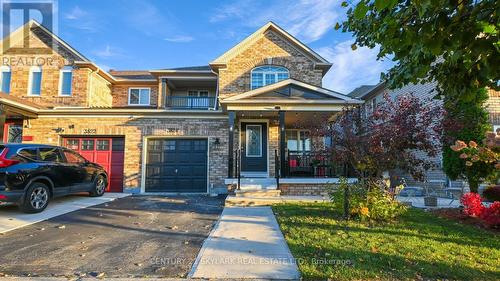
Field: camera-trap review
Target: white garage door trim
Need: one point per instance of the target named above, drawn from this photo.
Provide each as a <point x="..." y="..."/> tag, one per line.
<point x="144" y="155"/>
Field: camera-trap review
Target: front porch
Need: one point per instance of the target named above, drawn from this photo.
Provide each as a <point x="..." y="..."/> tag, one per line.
<point x="270" y="141"/>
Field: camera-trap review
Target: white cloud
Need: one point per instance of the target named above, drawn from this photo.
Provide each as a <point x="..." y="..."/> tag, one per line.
<point x="350" y="68"/>
<point x="307" y="19"/>
<point x="108" y="52"/>
<point x="179" y="39"/>
<point x="75" y="13"/>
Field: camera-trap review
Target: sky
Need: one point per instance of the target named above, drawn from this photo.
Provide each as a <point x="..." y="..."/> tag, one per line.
<point x="155" y="34"/>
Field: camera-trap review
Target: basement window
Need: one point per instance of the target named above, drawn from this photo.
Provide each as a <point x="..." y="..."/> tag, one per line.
<point x="139" y="96"/>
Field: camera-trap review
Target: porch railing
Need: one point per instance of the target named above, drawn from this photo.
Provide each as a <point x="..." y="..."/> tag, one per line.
<point x="190" y="102"/>
<point x="314" y="165"/>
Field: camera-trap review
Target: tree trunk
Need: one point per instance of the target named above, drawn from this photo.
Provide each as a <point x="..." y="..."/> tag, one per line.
<point x="473" y="184"/>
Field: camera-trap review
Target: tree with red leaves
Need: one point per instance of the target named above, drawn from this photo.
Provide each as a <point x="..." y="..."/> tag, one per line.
<point x="401" y="133"/>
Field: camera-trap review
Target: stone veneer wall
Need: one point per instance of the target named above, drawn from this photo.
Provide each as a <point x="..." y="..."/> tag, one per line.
<point x="321" y="189"/>
<point x="134" y="130"/>
<point x="269" y="49"/>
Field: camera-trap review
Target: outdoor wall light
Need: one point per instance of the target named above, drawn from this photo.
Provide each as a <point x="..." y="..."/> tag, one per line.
<point x="216" y="143"/>
<point x="58" y="130"/>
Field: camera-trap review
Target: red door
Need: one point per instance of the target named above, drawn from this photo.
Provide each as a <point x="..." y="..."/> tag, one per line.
<point x="105" y="151"/>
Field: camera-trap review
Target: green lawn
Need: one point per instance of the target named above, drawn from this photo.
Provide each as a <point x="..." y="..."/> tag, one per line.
<point x="420" y="245"/>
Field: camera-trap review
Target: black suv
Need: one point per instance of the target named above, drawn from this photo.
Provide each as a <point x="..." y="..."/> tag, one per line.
<point x="32" y="174"/>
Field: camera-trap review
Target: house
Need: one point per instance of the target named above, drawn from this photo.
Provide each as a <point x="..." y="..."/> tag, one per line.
<point x="186" y="129"/>
<point x="374" y="94"/>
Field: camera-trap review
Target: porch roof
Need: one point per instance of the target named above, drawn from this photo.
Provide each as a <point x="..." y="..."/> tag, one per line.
<point x="18" y="106"/>
<point x="290" y="94"/>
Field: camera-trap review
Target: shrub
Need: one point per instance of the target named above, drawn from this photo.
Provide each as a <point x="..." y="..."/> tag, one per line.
<point x="367" y="203"/>
<point x="382" y="206"/>
<point x="472" y="204"/>
<point x="491" y="215"/>
<point x="492" y="193"/>
<point x="357" y="194"/>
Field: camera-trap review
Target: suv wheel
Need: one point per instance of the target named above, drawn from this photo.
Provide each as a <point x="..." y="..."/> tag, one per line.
<point x="99" y="186"/>
<point x="36" y="199"/>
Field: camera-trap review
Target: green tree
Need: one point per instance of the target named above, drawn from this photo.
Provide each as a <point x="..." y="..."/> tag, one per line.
<point x="452" y="42"/>
<point x="466" y="121"/>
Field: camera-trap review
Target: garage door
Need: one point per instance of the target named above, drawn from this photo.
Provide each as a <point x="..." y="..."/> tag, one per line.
<point x="107" y="152"/>
<point x="176" y="165"/>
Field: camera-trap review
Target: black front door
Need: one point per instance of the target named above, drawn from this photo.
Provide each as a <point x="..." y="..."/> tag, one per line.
<point x="176" y="165"/>
<point x="253" y="147"/>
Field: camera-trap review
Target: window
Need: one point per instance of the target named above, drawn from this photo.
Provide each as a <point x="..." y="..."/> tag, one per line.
<point x="138" y="96"/>
<point x="50" y="154"/>
<point x="72" y="157"/>
<point x="170" y="145"/>
<point x="29" y="153"/>
<point x="5" y="79"/>
<point x="253" y="141"/>
<point x="73" y="144"/>
<point x="35" y="81"/>
<point x="65" y="81"/>
<point x="266" y="75"/>
<point x="87" y="144"/>
<point x="15" y="133"/>
<point x="102" y="145"/>
<point x="298" y="140"/>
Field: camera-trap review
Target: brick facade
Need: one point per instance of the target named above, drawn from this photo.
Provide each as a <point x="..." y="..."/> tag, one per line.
<point x="120" y="94"/>
<point x="135" y="130"/>
<point x="106" y="97"/>
<point x="268" y="49"/>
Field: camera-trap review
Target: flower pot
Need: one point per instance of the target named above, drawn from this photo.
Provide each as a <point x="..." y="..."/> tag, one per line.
<point x="431" y="201"/>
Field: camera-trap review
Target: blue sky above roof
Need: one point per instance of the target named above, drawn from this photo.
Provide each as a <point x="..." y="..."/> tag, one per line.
<point x="147" y="34"/>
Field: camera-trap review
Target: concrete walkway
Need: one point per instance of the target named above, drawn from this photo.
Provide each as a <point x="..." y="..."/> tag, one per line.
<point x="246" y="243"/>
<point x="12" y="218"/>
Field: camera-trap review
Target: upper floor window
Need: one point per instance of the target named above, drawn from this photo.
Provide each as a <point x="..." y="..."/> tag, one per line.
<point x="138" y="96"/>
<point x="65" y="81"/>
<point x="266" y="75"/>
<point x="35" y="81"/>
<point x="5" y="79"/>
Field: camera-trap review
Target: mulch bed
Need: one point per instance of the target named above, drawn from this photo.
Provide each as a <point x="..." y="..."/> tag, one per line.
<point x="458" y="215"/>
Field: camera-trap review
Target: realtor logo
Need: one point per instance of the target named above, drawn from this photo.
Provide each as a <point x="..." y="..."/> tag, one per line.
<point x="17" y="13"/>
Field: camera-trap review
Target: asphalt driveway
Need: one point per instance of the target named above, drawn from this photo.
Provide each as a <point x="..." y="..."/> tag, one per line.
<point x="135" y="236"/>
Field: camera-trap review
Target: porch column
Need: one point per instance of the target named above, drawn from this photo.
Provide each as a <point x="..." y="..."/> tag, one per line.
<point x="282" y="144"/>
<point x="230" y="161"/>
<point x="2" y="122"/>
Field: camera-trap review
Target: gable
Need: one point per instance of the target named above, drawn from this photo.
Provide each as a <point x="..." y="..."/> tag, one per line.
<point x="285" y="37"/>
<point x="40" y="41"/>
<point x="291" y="90"/>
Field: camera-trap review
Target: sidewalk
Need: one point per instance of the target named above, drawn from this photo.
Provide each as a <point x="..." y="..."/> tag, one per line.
<point x="246" y="243"/>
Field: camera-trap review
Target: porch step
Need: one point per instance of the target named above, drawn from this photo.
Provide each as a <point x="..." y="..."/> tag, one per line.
<point x="258" y="193"/>
<point x="255" y="183"/>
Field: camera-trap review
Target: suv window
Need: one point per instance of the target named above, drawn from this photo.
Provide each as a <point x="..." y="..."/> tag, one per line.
<point x="50" y="154"/>
<point x="73" y="157"/>
<point x="29" y="153"/>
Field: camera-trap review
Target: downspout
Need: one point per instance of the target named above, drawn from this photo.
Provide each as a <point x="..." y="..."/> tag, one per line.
<point x="216" y="104"/>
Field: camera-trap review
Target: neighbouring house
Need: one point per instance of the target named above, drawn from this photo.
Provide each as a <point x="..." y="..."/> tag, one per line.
<point x="435" y="177"/>
<point x="186" y="129"/>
